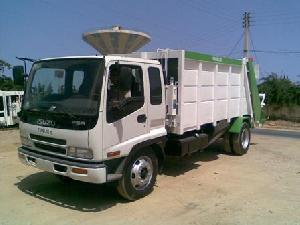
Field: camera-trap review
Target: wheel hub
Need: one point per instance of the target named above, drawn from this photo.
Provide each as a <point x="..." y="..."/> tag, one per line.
<point x="245" y="136"/>
<point x="141" y="172"/>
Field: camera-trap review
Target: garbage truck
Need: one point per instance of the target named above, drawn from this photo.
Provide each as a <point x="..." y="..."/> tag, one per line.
<point x="116" y="117"/>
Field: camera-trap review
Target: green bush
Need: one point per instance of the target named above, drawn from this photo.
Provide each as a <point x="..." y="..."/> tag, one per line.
<point x="282" y="98"/>
<point x="280" y="90"/>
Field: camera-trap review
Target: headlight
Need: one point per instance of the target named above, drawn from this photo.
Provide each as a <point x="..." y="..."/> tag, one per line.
<point x="80" y="152"/>
<point x="26" y="141"/>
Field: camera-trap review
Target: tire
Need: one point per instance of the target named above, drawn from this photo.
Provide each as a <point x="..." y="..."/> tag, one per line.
<point x="226" y="143"/>
<point x="240" y="142"/>
<point x="139" y="175"/>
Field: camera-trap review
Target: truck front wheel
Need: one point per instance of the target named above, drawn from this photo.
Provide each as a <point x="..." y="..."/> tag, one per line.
<point x="139" y="175"/>
<point x="240" y="142"/>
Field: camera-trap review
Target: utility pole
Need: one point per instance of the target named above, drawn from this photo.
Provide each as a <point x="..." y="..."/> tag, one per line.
<point x="246" y="26"/>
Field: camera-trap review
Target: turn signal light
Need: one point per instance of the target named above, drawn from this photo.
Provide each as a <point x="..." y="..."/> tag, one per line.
<point x="113" y="154"/>
<point x="79" y="170"/>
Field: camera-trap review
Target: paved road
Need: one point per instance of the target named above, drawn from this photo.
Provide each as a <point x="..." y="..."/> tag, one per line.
<point x="278" y="133"/>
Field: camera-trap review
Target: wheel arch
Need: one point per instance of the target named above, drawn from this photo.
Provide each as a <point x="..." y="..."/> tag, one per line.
<point x="156" y="144"/>
<point x="237" y="123"/>
<point x="160" y="154"/>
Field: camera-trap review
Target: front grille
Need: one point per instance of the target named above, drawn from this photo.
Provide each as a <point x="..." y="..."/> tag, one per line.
<point x="50" y="148"/>
<point x="48" y="139"/>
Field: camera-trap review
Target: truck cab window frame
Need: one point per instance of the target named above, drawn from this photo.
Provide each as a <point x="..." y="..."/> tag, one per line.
<point x="125" y="91"/>
<point x="155" y="86"/>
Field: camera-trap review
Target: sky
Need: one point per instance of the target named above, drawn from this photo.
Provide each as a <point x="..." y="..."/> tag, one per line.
<point x="50" y="28"/>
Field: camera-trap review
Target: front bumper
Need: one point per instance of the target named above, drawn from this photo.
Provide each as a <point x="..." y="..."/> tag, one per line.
<point x="96" y="172"/>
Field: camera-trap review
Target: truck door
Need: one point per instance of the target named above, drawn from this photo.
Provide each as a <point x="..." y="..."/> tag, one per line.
<point x="125" y="121"/>
<point x="156" y="108"/>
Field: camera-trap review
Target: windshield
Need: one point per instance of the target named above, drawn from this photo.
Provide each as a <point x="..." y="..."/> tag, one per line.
<point x="69" y="86"/>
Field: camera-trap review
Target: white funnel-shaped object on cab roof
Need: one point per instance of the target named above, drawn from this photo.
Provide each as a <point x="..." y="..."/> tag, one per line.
<point x="116" y="40"/>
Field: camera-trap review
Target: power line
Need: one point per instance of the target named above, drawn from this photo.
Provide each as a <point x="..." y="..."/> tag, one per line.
<point x="256" y="57"/>
<point x="277" y="20"/>
<point x="216" y="8"/>
<point x="280" y="18"/>
<point x="220" y="30"/>
<point x="251" y="41"/>
<point x="126" y="15"/>
<point x="276" y="23"/>
<point x="276" y="14"/>
<point x="205" y="10"/>
<point x="163" y="27"/>
<point x="223" y="29"/>
<point x="276" y="51"/>
<point x="192" y="37"/>
<point x="236" y="44"/>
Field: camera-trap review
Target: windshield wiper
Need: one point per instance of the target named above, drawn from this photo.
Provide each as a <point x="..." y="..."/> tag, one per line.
<point x="54" y="109"/>
<point x="34" y="109"/>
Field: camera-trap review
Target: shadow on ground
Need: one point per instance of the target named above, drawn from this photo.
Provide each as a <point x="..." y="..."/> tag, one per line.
<point x="74" y="195"/>
<point x="179" y="166"/>
<point x="94" y="198"/>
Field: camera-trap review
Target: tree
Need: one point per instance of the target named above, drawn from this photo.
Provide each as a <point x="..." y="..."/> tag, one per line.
<point x="282" y="98"/>
<point x="280" y="90"/>
<point x="4" y="64"/>
<point x="6" y="83"/>
<point x="49" y="89"/>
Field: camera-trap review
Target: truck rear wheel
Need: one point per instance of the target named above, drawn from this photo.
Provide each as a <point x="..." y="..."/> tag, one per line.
<point x="139" y="175"/>
<point x="240" y="142"/>
<point x="226" y="144"/>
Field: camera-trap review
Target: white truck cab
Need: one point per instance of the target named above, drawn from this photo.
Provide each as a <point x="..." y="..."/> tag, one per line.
<point x="80" y="112"/>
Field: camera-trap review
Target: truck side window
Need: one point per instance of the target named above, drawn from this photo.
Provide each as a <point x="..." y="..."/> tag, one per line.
<point x="125" y="92"/>
<point x="155" y="86"/>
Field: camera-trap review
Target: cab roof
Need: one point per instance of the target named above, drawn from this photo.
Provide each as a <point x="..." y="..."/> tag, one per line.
<point x="108" y="58"/>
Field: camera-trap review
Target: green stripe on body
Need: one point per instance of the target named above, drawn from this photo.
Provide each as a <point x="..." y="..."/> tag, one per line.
<point x="211" y="58"/>
<point x="254" y="93"/>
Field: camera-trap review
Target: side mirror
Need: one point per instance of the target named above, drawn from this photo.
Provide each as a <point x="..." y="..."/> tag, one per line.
<point x="18" y="75"/>
<point x="115" y="68"/>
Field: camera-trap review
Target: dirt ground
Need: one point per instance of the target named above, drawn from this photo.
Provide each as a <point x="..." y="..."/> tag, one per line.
<point x="282" y="124"/>
<point x="261" y="188"/>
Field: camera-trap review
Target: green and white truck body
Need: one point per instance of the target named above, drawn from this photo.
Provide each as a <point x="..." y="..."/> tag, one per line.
<point x="81" y="120"/>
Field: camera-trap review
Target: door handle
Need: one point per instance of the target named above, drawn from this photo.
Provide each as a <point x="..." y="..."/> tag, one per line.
<point x="141" y="118"/>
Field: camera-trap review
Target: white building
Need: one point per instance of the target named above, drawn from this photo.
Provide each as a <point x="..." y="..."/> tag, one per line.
<point x="10" y="105"/>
